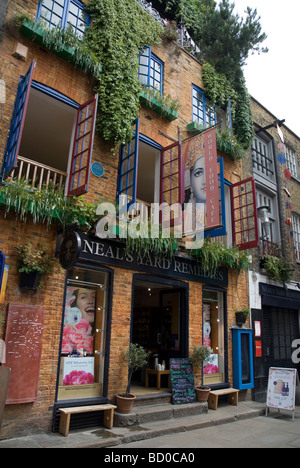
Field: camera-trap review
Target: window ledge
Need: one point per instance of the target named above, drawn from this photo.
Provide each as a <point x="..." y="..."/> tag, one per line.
<point x="159" y="107"/>
<point x="36" y="34"/>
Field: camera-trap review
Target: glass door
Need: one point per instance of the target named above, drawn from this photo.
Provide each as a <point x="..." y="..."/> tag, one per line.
<point x="213" y="336"/>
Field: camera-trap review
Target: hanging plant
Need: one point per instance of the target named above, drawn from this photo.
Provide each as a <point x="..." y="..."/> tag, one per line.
<point x="120" y="29"/>
<point x="213" y="255"/>
<point x="276" y="268"/>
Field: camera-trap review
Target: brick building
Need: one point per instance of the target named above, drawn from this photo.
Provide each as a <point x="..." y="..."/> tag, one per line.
<point x="106" y="295"/>
<point x="274" y="297"/>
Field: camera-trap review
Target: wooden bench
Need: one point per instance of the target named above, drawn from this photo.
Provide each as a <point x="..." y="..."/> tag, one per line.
<point x="65" y="417"/>
<point x="213" y="397"/>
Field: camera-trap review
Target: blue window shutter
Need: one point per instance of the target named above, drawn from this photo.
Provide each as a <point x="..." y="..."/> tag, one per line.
<point x="2" y="265"/>
<point x="83" y="148"/>
<point x="17" y="123"/>
<point x="127" y="176"/>
<point x="221" y="231"/>
<point x="144" y="66"/>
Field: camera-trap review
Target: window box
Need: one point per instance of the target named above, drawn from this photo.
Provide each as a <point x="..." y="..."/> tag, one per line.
<point x="157" y="106"/>
<point x="36" y="34"/>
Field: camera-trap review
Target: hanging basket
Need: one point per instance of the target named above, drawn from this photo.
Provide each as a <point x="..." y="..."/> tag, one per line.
<point x="30" y="281"/>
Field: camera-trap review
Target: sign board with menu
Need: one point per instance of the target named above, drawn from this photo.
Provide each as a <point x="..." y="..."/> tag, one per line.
<point x="182" y="379"/>
<point x="282" y="389"/>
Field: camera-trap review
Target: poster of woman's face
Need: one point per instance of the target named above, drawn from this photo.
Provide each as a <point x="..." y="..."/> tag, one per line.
<point x="79" y="318"/>
<point x="198" y="180"/>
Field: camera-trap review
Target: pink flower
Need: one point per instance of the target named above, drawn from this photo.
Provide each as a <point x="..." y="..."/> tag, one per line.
<point x="78" y="378"/>
<point x="211" y="369"/>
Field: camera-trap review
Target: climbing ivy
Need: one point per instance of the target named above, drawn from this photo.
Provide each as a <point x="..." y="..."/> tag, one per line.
<point x="219" y="89"/>
<point x="120" y="29"/>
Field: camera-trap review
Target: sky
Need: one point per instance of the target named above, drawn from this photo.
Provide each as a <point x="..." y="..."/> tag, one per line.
<point x="273" y="78"/>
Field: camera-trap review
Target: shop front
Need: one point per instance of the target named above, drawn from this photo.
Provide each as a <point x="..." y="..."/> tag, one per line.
<point x="113" y="298"/>
<point x="276" y="326"/>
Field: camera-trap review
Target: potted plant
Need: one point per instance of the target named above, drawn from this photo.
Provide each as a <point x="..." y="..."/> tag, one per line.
<point x="33" y="264"/>
<point x="200" y="355"/>
<point x="241" y="316"/>
<point x="136" y="357"/>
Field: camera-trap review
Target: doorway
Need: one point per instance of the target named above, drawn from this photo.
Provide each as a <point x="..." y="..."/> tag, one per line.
<point x="160" y="325"/>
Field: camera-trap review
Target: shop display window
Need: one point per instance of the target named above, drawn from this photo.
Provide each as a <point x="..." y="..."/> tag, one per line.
<point x="213" y="336"/>
<point x="83" y="336"/>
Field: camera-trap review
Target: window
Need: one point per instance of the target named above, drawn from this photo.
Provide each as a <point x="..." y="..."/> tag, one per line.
<point x="50" y="138"/>
<point x="83" y="347"/>
<point x="151" y="70"/>
<point x="267" y="199"/>
<point x="244" y="214"/>
<point x="214" y="336"/>
<point x="296" y="232"/>
<point x="64" y="13"/>
<point x="262" y="157"/>
<point x="203" y="112"/>
<point x="292" y="163"/>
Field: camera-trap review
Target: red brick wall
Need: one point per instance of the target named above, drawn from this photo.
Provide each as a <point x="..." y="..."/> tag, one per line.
<point x="181" y="70"/>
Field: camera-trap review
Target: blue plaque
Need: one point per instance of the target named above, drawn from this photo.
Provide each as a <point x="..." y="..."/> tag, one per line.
<point x="97" y="169"/>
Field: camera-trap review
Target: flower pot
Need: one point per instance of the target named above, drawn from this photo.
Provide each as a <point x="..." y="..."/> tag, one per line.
<point x="125" y="403"/>
<point x="202" y="394"/>
<point x="30" y="281"/>
<point x="240" y="318"/>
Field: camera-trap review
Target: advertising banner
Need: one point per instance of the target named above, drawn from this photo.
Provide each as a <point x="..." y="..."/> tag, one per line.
<point x="201" y="181"/>
<point x="281" y="389"/>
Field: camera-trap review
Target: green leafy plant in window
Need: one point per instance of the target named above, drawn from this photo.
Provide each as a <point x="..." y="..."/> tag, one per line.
<point x="213" y="255"/>
<point x="277" y="268"/>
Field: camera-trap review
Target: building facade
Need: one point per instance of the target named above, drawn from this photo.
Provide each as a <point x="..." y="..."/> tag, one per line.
<point x="105" y="296"/>
<point x="274" y="274"/>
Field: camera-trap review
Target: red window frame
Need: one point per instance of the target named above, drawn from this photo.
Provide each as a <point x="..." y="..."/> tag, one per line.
<point x="83" y="147"/>
<point x="244" y="214"/>
<point x="171" y="183"/>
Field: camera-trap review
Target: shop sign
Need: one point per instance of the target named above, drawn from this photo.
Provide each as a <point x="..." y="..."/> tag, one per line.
<point x="113" y="253"/>
<point x="282" y="389"/>
<point x="279" y="297"/>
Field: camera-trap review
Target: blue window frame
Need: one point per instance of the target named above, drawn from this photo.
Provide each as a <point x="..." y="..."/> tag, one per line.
<point x="17" y="123"/>
<point x="203" y="112"/>
<point x="151" y="70"/>
<point x="127" y="176"/>
<point x="64" y="13"/>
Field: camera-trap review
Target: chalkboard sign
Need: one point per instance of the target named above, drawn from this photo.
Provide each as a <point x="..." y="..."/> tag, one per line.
<point x="182" y="380"/>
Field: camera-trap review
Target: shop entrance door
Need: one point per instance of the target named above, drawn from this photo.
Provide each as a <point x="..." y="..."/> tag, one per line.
<point x="279" y="329"/>
<point x="160" y="325"/>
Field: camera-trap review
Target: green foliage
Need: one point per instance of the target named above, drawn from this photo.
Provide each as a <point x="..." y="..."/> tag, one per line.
<point x="59" y="40"/>
<point x="149" y="245"/>
<point x="243" y="120"/>
<point x="120" y="28"/>
<point x="213" y="255"/>
<point x="227" y="143"/>
<point x="277" y="268"/>
<point x="45" y="205"/>
<point x="218" y="88"/>
<point x="136" y="357"/>
<point x="35" y="260"/>
<point x="200" y="354"/>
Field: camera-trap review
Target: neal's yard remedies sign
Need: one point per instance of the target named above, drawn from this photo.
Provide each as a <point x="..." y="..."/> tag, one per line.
<point x="113" y="253"/>
<point x="182" y="381"/>
<point x="282" y="389"/>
